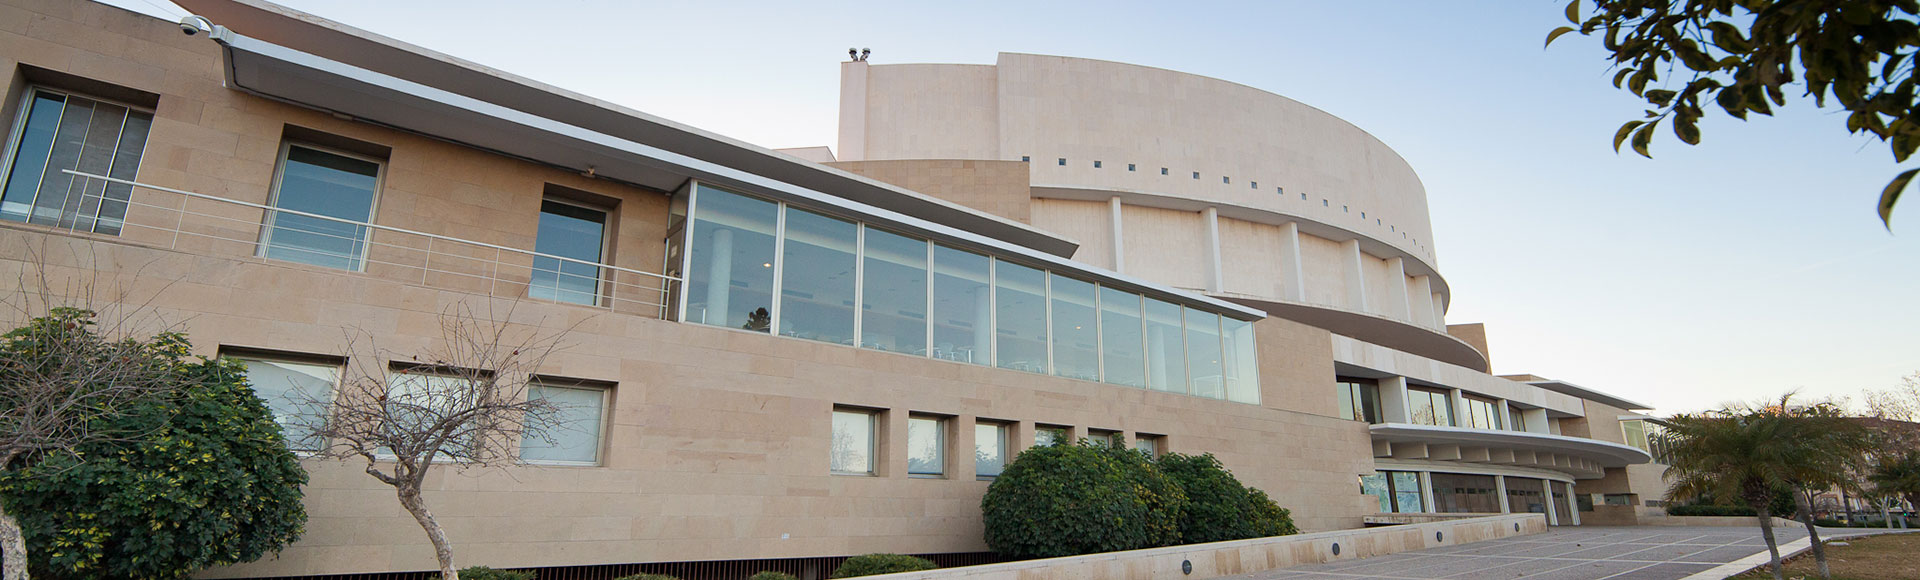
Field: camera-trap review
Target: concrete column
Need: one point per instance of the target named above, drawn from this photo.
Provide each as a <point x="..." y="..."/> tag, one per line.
<point x="853" y="111"/>
<point x="1546" y="487"/>
<point x="1019" y="439"/>
<point x="890" y="444"/>
<point x="1398" y="305"/>
<point x="1500" y="491"/>
<point x="1421" y="300"/>
<point x="961" y="448"/>
<point x="1293" y="279"/>
<point x="1439" y="310"/>
<point x="719" y="272"/>
<point x="1431" y="504"/>
<point x="1393" y="400"/>
<point x="1573" y="507"/>
<point x="1459" y="414"/>
<point x="1505" y="412"/>
<point x="1216" y="280"/>
<point x="983" y="325"/>
<point x="1119" y="241"/>
<point x="1356" y="274"/>
<point x="1536" y="420"/>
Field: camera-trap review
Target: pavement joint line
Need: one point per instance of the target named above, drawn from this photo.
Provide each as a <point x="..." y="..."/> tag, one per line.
<point x="1762" y="558"/>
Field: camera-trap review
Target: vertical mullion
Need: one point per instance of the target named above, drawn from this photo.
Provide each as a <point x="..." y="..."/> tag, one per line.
<point x="686" y="246"/>
<point x="993" y="311"/>
<point x="779" y="270"/>
<point x="1099" y="336"/>
<point x="928" y="345"/>
<point x="1046" y="303"/>
<point x="859" y="280"/>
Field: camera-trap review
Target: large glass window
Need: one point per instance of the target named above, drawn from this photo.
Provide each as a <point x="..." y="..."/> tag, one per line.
<point x="1375" y="484"/>
<point x="1020" y="316"/>
<point x="1359" y="400"/>
<point x="1121" y="341"/>
<point x="1050" y="435"/>
<point x="1397" y="491"/>
<point x="1647" y="435"/>
<point x="989" y="448"/>
<point x="1430" y="407"/>
<point x="1148" y="444"/>
<point x="1524" y="496"/>
<point x="575" y="435"/>
<point x="1076" y="334"/>
<point x="63" y="131"/>
<point x="1204" y="360"/>
<point x="962" y="306"/>
<point x="894" y="293"/>
<point x="1480" y="413"/>
<point x="323" y="183"/>
<point x="926" y="446"/>
<point x="1166" y="350"/>
<point x="1463" y="493"/>
<point x="730" y="282"/>
<point x="293" y="391"/>
<point x="417" y="396"/>
<point x="816" y="279"/>
<point x="852" y="451"/>
<point x="1242" y="361"/>
<point x="574" y="232"/>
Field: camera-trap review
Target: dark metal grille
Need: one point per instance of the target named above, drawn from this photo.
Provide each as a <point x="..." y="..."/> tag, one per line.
<point x="816" y="568"/>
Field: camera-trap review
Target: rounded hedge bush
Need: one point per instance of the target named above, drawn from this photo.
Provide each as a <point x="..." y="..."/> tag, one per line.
<point x="1066" y="500"/>
<point x="485" y="573"/>
<point x="1219" y="508"/>
<point x="872" y="564"/>
<point x="772" y="575"/>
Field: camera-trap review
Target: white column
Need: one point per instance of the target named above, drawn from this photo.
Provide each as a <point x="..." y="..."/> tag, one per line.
<point x="1215" y="278"/>
<point x="853" y="111"/>
<point x="1356" y="276"/>
<point x="1393" y="400"/>
<point x="1536" y="420"/>
<point x="719" y="272"/>
<point x="1500" y="492"/>
<point x="983" y="325"/>
<point x="1505" y="416"/>
<point x="1573" y="507"/>
<point x="1420" y="298"/>
<point x="1459" y="407"/>
<point x="1546" y="487"/>
<point x="1439" y="311"/>
<point x="1119" y="241"/>
<point x="1426" y="493"/>
<point x="1398" y="306"/>
<point x="1292" y="277"/>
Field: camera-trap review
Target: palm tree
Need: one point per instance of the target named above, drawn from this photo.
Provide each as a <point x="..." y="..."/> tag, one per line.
<point x="1833" y="446"/>
<point x="1898" y="476"/>
<point x="1746" y="452"/>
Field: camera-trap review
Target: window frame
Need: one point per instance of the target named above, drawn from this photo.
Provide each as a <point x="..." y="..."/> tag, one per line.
<point x="605" y="420"/>
<point x="601" y="287"/>
<point x="16" y="131"/>
<point x="873" y="442"/>
<point x="273" y="199"/>
<point x="942" y="438"/>
<point x="263" y="355"/>
<point x="1003" y="432"/>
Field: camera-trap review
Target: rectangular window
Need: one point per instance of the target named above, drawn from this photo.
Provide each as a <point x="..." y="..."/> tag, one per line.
<point x="962" y="306"/>
<point x="1107" y="438"/>
<point x="573" y="232"/>
<point x="293" y="389"/>
<point x="1129" y="167"/>
<point x="1076" y="334"/>
<point x="1480" y="413"/>
<point x="1398" y="491"/>
<point x="1463" y="493"/>
<point x="1020" y="311"/>
<point x="893" y="297"/>
<point x="1152" y="445"/>
<point x="816" y="278"/>
<point x="926" y="446"/>
<point x="1204" y="360"/>
<point x="337" y="187"/>
<point x="1096" y="164"/>
<point x="730" y="282"/>
<point x="1166" y="349"/>
<point x="1050" y="435"/>
<point x="1121" y="341"/>
<point x="1430" y="407"/>
<point x="418" y="395"/>
<point x="1524" y="496"/>
<point x="575" y="435"/>
<point x="853" y="444"/>
<point x="61" y="131"/>
<point x="1360" y="400"/>
<point x="989" y="449"/>
<point x="1516" y="419"/>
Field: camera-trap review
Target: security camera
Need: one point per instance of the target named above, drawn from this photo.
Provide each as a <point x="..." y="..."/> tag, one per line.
<point x="192" y="25"/>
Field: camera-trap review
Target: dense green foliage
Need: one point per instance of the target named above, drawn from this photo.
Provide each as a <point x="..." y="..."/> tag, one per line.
<point x="872" y="564"/>
<point x="199" y="477"/>
<point x="772" y="575"/>
<point x="636" y="577"/>
<point x="1898" y="476"/>
<point x="1065" y="500"/>
<point x="485" y="573"/>
<point x="1219" y="508"/>
<point x="1739" y="54"/>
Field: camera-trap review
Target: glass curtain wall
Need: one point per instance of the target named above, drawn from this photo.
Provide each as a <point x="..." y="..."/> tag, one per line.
<point x="843" y="282"/>
<point x="1462" y="493"/>
<point x="1524" y="496"/>
<point x="1398" y="491"/>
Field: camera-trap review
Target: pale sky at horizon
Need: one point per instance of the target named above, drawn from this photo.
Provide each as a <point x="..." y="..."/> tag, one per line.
<point x="1735" y="270"/>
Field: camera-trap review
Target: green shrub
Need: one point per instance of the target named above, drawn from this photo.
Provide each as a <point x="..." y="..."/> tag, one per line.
<point x="1710" y="510"/>
<point x="772" y="575"/>
<point x="1219" y="508"/>
<point x="485" y="573"/>
<point x="872" y="564"/>
<point x="1067" y="500"/>
<point x="641" y="577"/>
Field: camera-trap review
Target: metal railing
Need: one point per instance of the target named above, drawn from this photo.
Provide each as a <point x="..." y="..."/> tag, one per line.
<point x="277" y="234"/>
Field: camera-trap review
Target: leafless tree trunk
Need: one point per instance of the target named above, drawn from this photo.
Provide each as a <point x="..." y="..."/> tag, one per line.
<point x="1813" y="535"/>
<point x="469" y="401"/>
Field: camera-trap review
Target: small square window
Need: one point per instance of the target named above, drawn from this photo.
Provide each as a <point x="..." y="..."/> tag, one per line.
<point x="1343" y="209"/>
<point x="1376" y="221"/>
<point x="336" y="184"/>
<point x="1063" y="162"/>
<point x="1149" y="444"/>
<point x="293" y="387"/>
<point x="1096" y="164"/>
<point x="1303" y="196"/>
<point x="1225" y="179"/>
<point x="1254" y="185"/>
<point x="926" y="446"/>
<point x="1025" y="159"/>
<point x="852" y="446"/>
<point x="574" y="437"/>
<point x="989" y="449"/>
<point x="1107" y="437"/>
<point x="1129" y="167"/>
<point x="1392" y="229"/>
<point x="1280" y="191"/>
<point x="1163" y="171"/>
<point x="1196" y="175"/>
<point x="1363" y="215"/>
<point x="1323" y="202"/>
<point x="1050" y="435"/>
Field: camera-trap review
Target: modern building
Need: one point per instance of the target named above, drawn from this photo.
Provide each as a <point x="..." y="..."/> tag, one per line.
<point x="780" y="356"/>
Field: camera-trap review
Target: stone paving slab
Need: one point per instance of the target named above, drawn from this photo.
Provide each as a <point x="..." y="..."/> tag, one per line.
<point x="1588" y="553"/>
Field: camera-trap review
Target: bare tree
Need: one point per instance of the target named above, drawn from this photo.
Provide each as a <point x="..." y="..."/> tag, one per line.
<point x="1900" y="403"/>
<point x="81" y="356"/>
<point x="466" y="402"/>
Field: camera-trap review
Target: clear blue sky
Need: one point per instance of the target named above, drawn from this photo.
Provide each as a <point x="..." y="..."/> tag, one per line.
<point x="1735" y="270"/>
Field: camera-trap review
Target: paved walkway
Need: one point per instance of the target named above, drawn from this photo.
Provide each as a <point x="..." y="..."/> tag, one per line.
<point x="1577" y="553"/>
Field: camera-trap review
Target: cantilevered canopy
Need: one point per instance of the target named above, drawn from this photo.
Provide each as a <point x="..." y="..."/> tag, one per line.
<point x="1579" y="457"/>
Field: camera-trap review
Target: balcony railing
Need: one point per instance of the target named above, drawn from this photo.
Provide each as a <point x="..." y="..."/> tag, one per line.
<point x="205" y="224"/>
